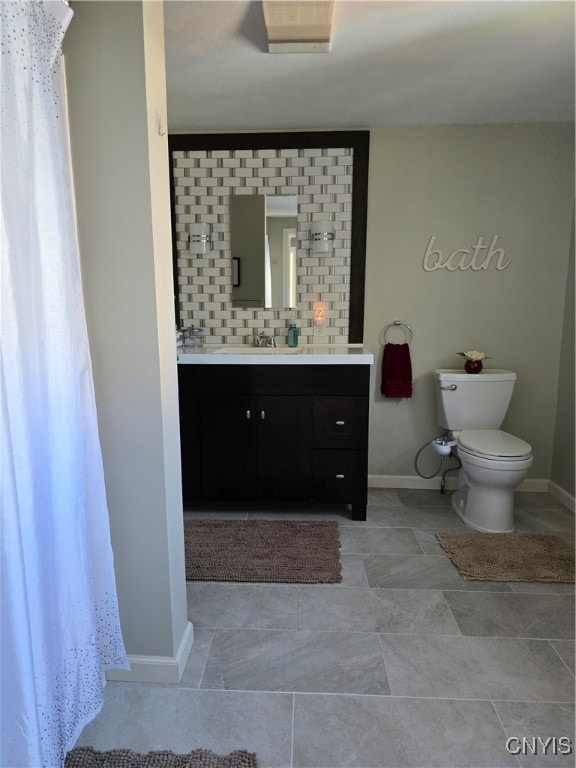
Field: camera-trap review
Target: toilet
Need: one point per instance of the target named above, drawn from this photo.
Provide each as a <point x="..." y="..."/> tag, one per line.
<point x="472" y="407"/>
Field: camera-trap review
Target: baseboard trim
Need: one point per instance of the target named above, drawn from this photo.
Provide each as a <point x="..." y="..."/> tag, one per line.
<point x="563" y="497"/>
<point x="536" y="485"/>
<point x="157" y="669"/>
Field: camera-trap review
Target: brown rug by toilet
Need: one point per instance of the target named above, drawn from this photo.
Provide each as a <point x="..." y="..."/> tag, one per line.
<point x="86" y="757"/>
<point x="509" y="556"/>
<point x="302" y="552"/>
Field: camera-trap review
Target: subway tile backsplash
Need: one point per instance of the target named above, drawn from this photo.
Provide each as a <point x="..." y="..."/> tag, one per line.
<point x="204" y="182"/>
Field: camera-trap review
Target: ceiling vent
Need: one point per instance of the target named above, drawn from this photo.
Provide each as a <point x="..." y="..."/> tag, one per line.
<point x="298" y="27"/>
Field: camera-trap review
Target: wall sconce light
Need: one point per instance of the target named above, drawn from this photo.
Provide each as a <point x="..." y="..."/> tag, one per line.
<point x="322" y="236"/>
<point x="200" y="238"/>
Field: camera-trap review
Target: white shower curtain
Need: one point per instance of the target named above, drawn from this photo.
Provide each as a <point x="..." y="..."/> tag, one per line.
<point x="59" y="612"/>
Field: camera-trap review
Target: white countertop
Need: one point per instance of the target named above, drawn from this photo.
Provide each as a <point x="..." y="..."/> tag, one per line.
<point x="313" y="354"/>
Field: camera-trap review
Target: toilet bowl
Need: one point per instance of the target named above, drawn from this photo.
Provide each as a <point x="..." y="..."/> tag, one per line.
<point x="494" y="463"/>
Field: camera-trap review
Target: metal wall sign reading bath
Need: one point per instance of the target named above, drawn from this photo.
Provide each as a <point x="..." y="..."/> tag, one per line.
<point x="478" y="257"/>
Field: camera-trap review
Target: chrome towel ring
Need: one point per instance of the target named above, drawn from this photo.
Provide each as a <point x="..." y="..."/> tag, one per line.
<point x="397" y="324"/>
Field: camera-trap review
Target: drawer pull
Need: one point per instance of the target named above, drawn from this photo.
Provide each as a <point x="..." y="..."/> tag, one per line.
<point x="340" y="423"/>
<point x="248" y="414"/>
<point x="340" y="477"/>
<point x="262" y="414"/>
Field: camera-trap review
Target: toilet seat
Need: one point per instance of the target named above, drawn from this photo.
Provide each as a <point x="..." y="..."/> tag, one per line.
<point x="494" y="445"/>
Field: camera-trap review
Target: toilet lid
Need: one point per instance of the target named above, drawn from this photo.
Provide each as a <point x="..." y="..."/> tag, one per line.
<point x="494" y="442"/>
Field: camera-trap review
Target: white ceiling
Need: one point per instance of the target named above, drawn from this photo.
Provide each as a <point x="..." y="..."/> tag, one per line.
<point x="391" y="63"/>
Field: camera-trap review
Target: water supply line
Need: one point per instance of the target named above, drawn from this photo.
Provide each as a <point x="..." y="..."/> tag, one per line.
<point x="443" y="445"/>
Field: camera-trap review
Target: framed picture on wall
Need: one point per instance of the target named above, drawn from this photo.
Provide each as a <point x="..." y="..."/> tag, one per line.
<point x="235" y="271"/>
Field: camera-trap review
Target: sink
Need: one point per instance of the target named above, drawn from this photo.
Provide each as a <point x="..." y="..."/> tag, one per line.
<point x="234" y="350"/>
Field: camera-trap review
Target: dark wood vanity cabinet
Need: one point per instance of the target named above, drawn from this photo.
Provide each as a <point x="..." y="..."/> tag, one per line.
<point x="282" y="433"/>
<point x="256" y="448"/>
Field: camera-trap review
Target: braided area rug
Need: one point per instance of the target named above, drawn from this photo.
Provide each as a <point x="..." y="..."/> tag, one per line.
<point x="509" y="556"/>
<point x="87" y="757"/>
<point x="302" y="552"/>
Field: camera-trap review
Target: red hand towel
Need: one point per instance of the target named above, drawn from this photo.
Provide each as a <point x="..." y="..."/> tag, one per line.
<point x="396" y="371"/>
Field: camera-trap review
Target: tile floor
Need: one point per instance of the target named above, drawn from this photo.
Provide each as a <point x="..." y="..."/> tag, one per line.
<point x="402" y="664"/>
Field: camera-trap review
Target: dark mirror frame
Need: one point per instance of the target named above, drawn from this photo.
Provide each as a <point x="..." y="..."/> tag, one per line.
<point x="359" y="141"/>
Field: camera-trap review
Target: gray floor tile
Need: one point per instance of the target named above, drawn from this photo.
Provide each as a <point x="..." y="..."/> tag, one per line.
<point x="245" y="636"/>
<point x="255" y="606"/>
<point x="192" y="675"/>
<point x="383" y="497"/>
<point x="535" y="500"/>
<point x="437" y="518"/>
<point x="421" y="572"/>
<point x="566" y="650"/>
<point x="541" y="588"/>
<point x="146" y="717"/>
<point x="269" y="511"/>
<point x="365" y="732"/>
<point x="428" y="541"/>
<point x="513" y="615"/>
<point x="330" y="662"/>
<point x="353" y="573"/>
<point x="544" y="521"/>
<point x="521" y="719"/>
<point x="341" y="515"/>
<point x="476" y="668"/>
<point x="416" y="497"/>
<point x="376" y="610"/>
<point x="395" y="541"/>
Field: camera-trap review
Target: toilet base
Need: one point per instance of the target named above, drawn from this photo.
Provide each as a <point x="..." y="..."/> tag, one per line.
<point x="487" y="513"/>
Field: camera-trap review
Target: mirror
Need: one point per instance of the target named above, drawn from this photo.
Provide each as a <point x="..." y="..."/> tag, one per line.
<point x="263" y="246"/>
<point x="327" y="171"/>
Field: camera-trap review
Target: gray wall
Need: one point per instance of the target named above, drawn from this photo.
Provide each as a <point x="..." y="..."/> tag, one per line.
<point x="563" y="460"/>
<point x="116" y="84"/>
<point x="459" y="183"/>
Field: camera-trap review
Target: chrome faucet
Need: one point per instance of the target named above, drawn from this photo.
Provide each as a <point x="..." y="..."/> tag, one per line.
<point x="263" y="340"/>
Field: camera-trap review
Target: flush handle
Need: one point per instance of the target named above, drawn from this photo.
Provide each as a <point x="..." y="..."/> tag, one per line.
<point x="450" y="387"/>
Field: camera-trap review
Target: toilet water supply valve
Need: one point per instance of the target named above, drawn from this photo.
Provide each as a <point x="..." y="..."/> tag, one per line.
<point x="444" y="446"/>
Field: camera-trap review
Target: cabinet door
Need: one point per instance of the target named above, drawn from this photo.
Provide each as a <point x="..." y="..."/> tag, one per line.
<point x="190" y="447"/>
<point x="284" y="448"/>
<point x="228" y="447"/>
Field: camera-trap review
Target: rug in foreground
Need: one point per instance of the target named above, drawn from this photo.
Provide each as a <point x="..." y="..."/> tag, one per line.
<point x="293" y="551"/>
<point x="87" y="757"/>
<point x="510" y="556"/>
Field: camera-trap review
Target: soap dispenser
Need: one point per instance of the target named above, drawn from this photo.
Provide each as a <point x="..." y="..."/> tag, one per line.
<point x="293" y="335"/>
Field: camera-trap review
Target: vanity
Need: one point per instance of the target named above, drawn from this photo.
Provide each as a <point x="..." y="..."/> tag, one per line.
<point x="275" y="425"/>
<point x="272" y="424"/>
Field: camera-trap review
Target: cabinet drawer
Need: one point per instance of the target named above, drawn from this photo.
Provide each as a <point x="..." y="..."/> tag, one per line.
<point x="340" y="476"/>
<point x="340" y="422"/>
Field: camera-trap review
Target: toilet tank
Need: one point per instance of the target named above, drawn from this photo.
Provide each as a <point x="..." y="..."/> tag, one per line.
<point x="472" y="401"/>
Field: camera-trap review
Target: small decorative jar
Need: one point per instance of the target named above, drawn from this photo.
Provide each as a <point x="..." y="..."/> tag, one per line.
<point x="194" y="337"/>
<point x="474" y="359"/>
<point x="473" y="366"/>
